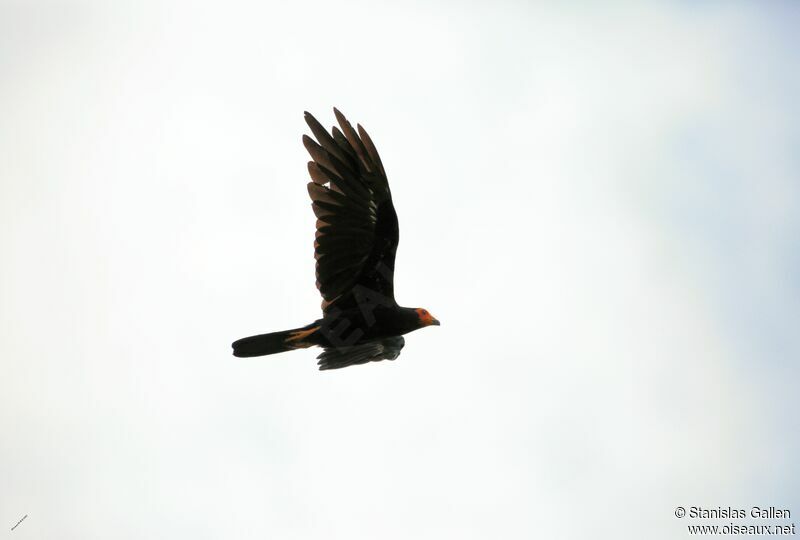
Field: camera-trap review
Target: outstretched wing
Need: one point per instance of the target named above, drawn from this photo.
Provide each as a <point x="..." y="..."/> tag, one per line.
<point x="357" y="230"/>
<point x="373" y="351"/>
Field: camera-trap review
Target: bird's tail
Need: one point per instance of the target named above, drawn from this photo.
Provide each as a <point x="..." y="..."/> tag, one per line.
<point x="275" y="342"/>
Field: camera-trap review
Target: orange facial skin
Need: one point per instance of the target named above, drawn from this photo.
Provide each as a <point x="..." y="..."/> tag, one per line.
<point x="425" y="318"/>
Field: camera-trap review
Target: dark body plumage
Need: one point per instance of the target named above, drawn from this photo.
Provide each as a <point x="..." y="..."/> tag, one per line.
<point x="356" y="241"/>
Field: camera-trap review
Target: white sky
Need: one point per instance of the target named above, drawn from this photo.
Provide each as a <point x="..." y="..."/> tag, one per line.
<point x="599" y="204"/>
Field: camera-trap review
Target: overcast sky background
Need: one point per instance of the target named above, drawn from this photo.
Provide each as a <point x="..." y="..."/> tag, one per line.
<point x="599" y="203"/>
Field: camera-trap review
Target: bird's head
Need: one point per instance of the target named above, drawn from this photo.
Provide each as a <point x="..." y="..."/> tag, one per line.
<point x="425" y="318"/>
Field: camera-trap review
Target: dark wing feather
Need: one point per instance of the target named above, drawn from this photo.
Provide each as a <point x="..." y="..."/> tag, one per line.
<point x="373" y="351"/>
<point x="357" y="230"/>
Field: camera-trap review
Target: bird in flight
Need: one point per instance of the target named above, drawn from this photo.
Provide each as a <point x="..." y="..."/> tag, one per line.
<point x="355" y="246"/>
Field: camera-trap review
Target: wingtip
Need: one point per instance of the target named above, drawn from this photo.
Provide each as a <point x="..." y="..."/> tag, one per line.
<point x="339" y="116"/>
<point x="310" y="120"/>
